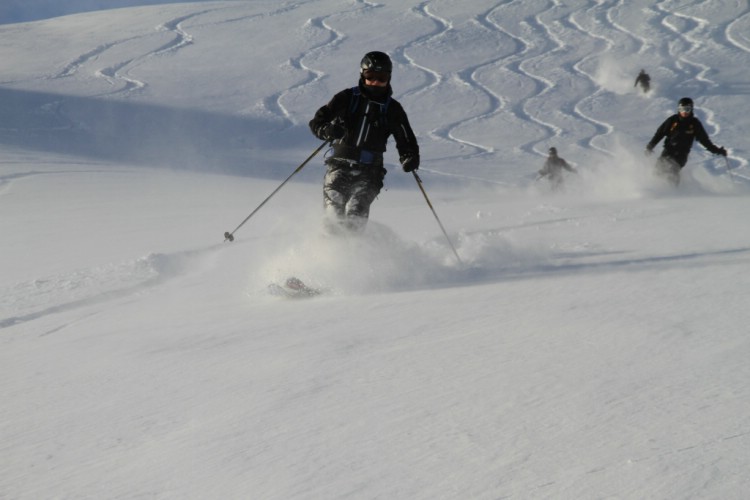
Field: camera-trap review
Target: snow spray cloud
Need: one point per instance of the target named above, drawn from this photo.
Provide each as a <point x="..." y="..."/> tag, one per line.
<point x="615" y="75"/>
<point x="379" y="260"/>
<point x="376" y="260"/>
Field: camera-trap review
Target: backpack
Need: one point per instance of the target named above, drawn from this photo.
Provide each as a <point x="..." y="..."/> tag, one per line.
<point x="354" y="103"/>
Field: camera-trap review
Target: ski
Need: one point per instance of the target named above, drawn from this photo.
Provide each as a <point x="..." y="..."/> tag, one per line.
<point x="293" y="288"/>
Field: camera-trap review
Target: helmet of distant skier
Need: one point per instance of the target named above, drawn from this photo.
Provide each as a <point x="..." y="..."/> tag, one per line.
<point x="685" y="105"/>
<point x="553" y="151"/>
<point x="376" y="61"/>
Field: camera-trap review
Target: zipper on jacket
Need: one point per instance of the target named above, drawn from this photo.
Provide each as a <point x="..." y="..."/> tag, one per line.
<point x="362" y="134"/>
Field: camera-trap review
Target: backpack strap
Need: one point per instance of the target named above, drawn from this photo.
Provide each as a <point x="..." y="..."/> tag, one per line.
<point x="384" y="111"/>
<point x="354" y="103"/>
<point x="674" y="126"/>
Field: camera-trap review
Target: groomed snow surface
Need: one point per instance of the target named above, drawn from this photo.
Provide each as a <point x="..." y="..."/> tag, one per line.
<point x="591" y="343"/>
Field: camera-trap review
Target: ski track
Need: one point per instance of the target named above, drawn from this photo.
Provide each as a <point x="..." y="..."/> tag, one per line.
<point x="470" y="76"/>
<point x="539" y="62"/>
<point x="740" y="39"/>
<point x="72" y="68"/>
<point x="514" y="64"/>
<point x="686" y="38"/>
<point x="50" y="295"/>
<point x="647" y="47"/>
<point x="120" y="72"/>
<point x="496" y="101"/>
<point x="661" y="51"/>
<point x="7" y="180"/>
<point x="434" y="78"/>
<point x="601" y="128"/>
<point x="555" y="32"/>
<point x="467" y="77"/>
<point x="274" y="103"/>
<point x="568" y="31"/>
<point x="182" y="39"/>
<point x="611" y="17"/>
<point x="442" y="26"/>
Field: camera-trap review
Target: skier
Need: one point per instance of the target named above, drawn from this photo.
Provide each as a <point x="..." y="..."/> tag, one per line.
<point x="359" y="121"/>
<point x="644" y="80"/>
<point x="679" y="131"/>
<point x="553" y="168"/>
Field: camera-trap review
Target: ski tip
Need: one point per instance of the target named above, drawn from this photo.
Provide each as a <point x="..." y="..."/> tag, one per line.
<point x="293" y="287"/>
<point x="295" y="283"/>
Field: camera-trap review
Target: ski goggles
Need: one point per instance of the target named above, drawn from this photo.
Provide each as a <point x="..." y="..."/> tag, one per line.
<point x="376" y="76"/>
<point x="687" y="108"/>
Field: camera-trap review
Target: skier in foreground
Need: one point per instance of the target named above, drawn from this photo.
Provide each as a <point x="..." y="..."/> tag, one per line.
<point x="359" y="121"/>
<point x="679" y="131"/>
<point x="553" y="167"/>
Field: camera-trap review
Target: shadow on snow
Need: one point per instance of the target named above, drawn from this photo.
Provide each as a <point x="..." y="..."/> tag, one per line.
<point x="148" y="134"/>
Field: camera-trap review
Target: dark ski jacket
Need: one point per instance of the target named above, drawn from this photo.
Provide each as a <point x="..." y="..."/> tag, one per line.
<point x="643" y="79"/>
<point x="369" y="122"/>
<point x="680" y="134"/>
<point x="553" y="168"/>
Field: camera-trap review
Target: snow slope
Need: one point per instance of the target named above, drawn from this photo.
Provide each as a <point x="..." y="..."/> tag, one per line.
<point x="591" y="343"/>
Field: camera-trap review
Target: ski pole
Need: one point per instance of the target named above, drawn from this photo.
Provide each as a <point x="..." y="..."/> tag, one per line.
<point x="230" y="236"/>
<point x="731" y="174"/>
<point x="421" y="188"/>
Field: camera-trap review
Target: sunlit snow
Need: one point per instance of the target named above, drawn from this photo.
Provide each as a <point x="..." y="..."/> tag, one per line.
<point x="591" y="343"/>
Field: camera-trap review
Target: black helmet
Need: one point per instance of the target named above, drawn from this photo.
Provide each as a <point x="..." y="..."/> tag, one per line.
<point x="376" y="61"/>
<point x="553" y="151"/>
<point x="685" y="105"/>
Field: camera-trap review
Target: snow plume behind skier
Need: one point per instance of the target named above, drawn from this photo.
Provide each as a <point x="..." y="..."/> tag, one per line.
<point x="359" y="121"/>
<point x="381" y="260"/>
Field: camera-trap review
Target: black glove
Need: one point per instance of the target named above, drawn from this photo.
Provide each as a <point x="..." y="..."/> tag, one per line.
<point x="649" y="151"/>
<point x="721" y="151"/>
<point x="332" y="131"/>
<point x="409" y="162"/>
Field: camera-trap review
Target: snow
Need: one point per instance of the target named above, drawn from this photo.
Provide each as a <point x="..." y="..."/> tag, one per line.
<point x="591" y="343"/>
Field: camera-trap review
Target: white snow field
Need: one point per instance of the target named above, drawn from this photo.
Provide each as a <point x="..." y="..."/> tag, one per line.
<point x="591" y="343"/>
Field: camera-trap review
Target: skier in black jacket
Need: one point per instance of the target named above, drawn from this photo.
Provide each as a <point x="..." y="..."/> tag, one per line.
<point x="679" y="131"/>
<point x="359" y="121"/>
<point x="552" y="169"/>
<point x="644" y="79"/>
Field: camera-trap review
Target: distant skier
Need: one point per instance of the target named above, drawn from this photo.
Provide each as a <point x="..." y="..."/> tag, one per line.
<point x="359" y="121"/>
<point x="553" y="168"/>
<point x="679" y="131"/>
<point x="644" y="80"/>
